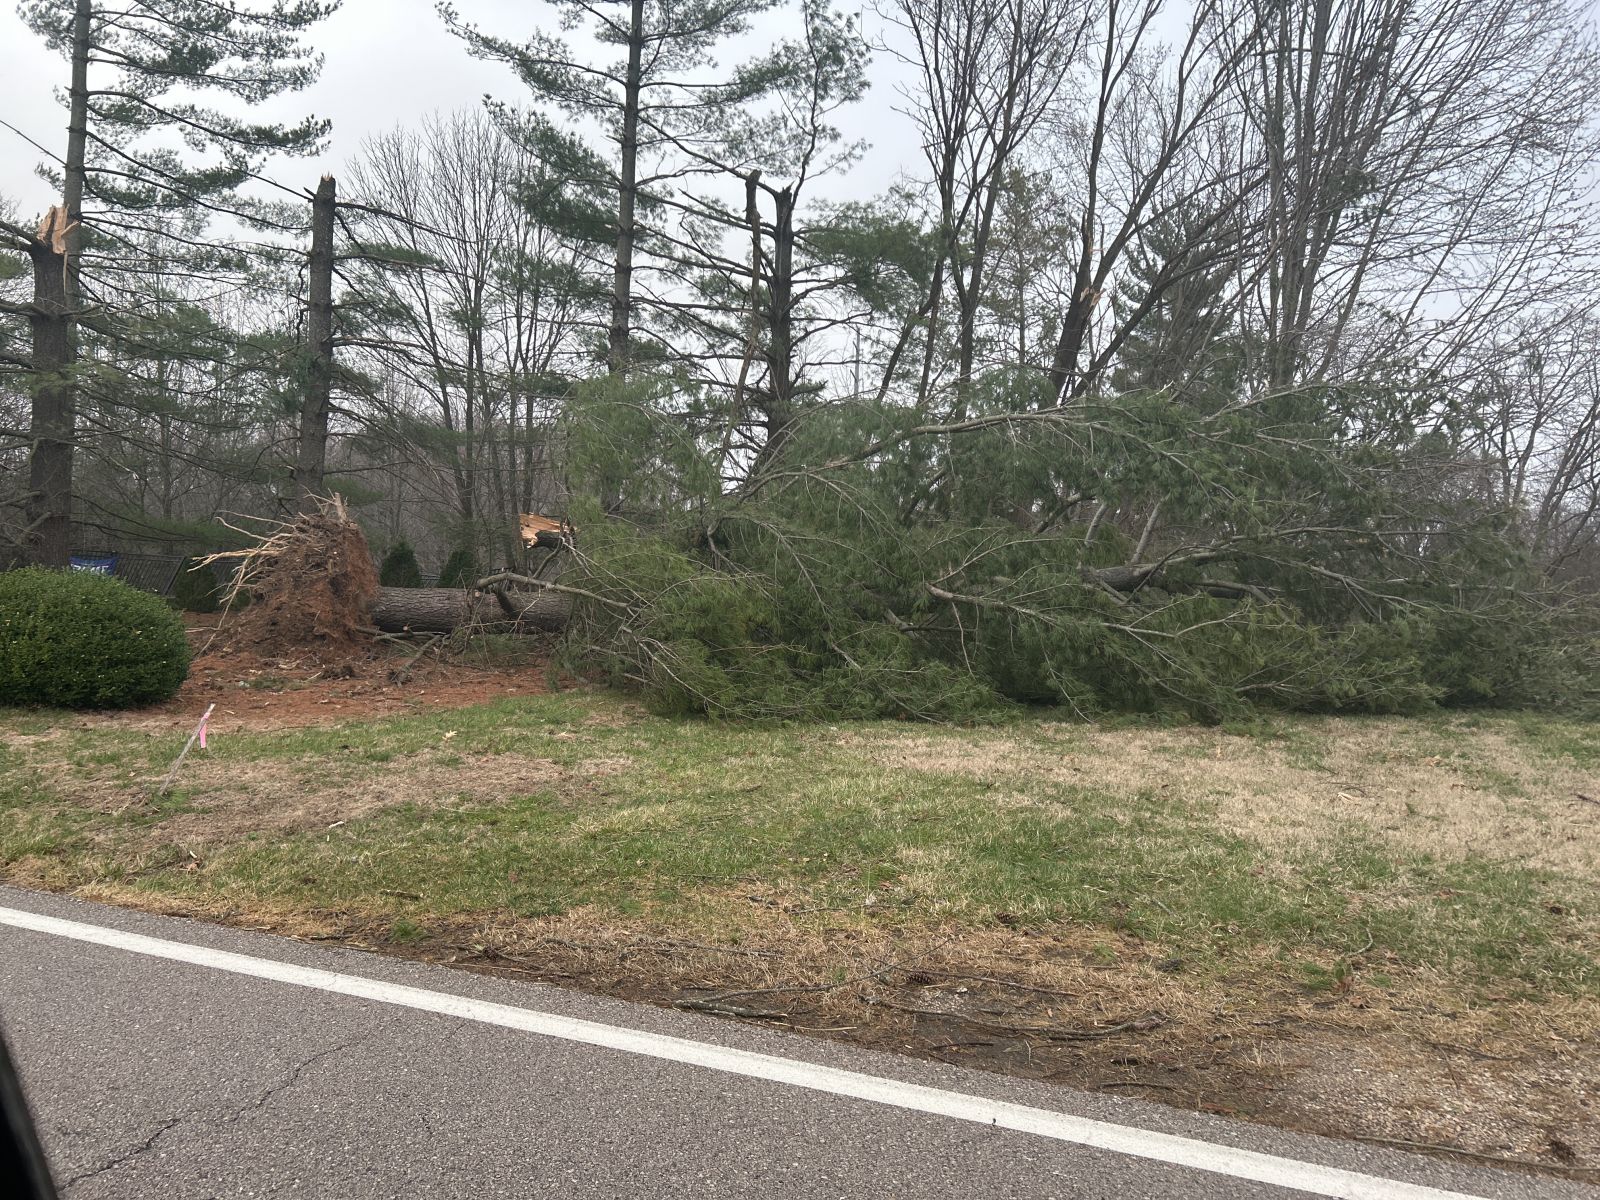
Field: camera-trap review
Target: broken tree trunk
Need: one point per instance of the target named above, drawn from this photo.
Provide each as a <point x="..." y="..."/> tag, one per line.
<point x="444" y="610"/>
<point x="57" y="306"/>
<point x="311" y="456"/>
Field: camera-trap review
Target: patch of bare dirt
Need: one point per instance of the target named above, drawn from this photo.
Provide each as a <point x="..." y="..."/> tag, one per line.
<point x="284" y="689"/>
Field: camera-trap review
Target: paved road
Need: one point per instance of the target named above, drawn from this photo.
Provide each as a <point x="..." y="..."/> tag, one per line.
<point x="185" y="1060"/>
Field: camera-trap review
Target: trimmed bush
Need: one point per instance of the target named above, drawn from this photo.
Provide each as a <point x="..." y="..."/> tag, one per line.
<point x="400" y="567"/>
<point x="195" y="589"/>
<point x="460" y="569"/>
<point x="77" y="639"/>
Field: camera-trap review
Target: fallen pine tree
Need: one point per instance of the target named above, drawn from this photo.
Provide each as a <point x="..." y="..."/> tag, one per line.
<point x="1308" y="550"/>
<point x="311" y="584"/>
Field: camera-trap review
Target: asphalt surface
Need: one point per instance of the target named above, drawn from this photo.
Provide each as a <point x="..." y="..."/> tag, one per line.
<point x="170" y="1080"/>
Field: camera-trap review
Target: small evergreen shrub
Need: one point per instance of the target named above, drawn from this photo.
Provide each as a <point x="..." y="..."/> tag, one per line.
<point x="196" y="589"/>
<point x="460" y="569"/>
<point x="400" y="567"/>
<point x="77" y="639"/>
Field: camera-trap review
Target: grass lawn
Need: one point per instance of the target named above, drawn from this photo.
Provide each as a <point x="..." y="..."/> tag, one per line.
<point x="1220" y="917"/>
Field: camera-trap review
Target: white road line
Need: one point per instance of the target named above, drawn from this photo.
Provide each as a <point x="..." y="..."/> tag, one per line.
<point x="1139" y="1143"/>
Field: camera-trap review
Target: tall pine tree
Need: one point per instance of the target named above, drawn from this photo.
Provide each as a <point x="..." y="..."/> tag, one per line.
<point x="646" y="87"/>
<point x="1177" y="303"/>
<point x="135" y="72"/>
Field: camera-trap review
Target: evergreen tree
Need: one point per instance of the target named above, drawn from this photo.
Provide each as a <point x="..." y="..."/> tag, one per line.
<point x="460" y="569"/>
<point x="196" y="588"/>
<point x="653" y="102"/>
<point x="400" y="567"/>
<point x="134" y="74"/>
<point x="1176" y="302"/>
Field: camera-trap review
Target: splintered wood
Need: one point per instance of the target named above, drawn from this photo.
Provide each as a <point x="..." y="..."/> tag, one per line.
<point x="548" y="533"/>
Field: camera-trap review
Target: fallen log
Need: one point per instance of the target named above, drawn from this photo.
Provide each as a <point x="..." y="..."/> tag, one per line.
<point x="444" y="610"/>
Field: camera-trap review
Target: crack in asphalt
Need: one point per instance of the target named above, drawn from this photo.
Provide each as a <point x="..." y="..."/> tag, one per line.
<point x="300" y="1069"/>
<point x="276" y="1089"/>
<point x="126" y="1156"/>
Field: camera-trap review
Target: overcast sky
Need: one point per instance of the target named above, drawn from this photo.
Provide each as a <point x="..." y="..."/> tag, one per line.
<point x="389" y="62"/>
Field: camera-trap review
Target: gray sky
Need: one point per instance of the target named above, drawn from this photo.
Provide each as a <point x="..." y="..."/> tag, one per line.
<point x="389" y="62"/>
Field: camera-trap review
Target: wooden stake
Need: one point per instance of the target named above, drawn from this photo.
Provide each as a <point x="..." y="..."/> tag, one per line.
<point x="184" y="753"/>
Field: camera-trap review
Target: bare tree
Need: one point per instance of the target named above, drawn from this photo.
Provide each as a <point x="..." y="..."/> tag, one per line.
<point x="469" y="303"/>
<point x="988" y="75"/>
<point x="1423" y="159"/>
<point x="1536" y="433"/>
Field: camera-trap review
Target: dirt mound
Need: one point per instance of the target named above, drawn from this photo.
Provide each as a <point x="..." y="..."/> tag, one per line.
<point x="311" y="584"/>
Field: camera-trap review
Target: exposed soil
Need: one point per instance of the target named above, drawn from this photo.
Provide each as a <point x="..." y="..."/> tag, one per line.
<point x="290" y="687"/>
<point x="311" y="583"/>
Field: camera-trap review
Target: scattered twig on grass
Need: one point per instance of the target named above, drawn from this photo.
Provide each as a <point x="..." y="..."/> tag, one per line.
<point x="731" y="1010"/>
<point x="1585" y="799"/>
<point x="401" y="674"/>
<point x="1141" y="1024"/>
<point x="664" y="945"/>
<point x="1006" y="983"/>
<point x="1145" y="1024"/>
<point x="794" y="989"/>
<point x="1107" y="1084"/>
<point x="1471" y="1052"/>
<point x="657" y="945"/>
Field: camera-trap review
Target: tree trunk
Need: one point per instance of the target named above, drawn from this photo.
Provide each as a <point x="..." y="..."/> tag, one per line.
<point x="444" y="610"/>
<point x="51" y="424"/>
<point x="622" y="277"/>
<point x="311" y="459"/>
<point x="778" y="402"/>
<point x="57" y="301"/>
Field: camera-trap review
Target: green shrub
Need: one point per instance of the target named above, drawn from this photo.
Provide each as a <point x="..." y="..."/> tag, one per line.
<point x="77" y="639"/>
<point x="196" y="588"/>
<point x="460" y="569"/>
<point x="400" y="567"/>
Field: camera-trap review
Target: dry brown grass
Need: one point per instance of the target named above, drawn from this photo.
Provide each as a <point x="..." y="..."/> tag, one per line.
<point x="1486" y="796"/>
<point x="907" y="934"/>
<point x="230" y="801"/>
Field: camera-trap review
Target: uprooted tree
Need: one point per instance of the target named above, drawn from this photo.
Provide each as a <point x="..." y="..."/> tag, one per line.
<point x="311" y="582"/>
<point x="1234" y="355"/>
